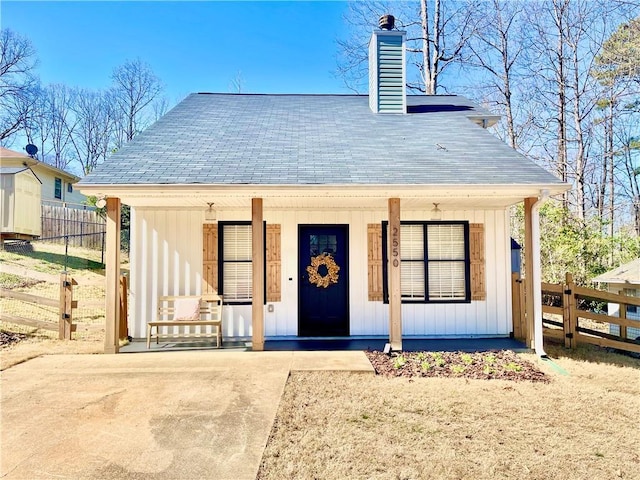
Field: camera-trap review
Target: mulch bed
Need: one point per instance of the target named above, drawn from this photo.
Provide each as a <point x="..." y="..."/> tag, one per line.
<point x="497" y="364"/>
<point x="9" y="338"/>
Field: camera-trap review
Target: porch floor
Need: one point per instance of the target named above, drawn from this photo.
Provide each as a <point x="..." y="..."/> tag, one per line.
<point x="408" y="345"/>
<point x="337" y="344"/>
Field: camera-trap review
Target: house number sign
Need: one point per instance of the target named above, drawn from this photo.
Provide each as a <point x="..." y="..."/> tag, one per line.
<point x="395" y="242"/>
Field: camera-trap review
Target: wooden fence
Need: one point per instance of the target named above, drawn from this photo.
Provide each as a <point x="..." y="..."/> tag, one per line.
<point x="82" y="228"/>
<point x="574" y="321"/>
<point x="66" y="304"/>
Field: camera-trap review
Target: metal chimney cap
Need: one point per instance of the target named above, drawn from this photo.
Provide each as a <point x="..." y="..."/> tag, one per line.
<point x="387" y="22"/>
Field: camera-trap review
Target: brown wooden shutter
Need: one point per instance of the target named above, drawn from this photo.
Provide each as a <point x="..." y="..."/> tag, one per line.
<point x="374" y="266"/>
<point x="209" y="258"/>
<point x="476" y="254"/>
<point x="274" y="290"/>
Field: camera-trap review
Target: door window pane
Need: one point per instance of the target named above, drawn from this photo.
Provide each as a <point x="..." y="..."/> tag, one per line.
<point x="322" y="244"/>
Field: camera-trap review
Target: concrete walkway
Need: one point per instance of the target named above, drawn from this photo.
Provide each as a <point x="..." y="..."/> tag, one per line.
<point x="174" y="415"/>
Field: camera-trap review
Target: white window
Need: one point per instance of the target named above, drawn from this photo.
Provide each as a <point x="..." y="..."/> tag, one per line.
<point x="434" y="262"/>
<point x="412" y="266"/>
<point x="447" y="262"/>
<point x="236" y="276"/>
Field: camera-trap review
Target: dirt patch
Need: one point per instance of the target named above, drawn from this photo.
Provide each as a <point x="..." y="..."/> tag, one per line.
<point x="498" y="364"/>
<point x="9" y="338"/>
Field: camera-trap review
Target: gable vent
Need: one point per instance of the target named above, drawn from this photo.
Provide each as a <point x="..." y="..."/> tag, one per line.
<point x="387" y="76"/>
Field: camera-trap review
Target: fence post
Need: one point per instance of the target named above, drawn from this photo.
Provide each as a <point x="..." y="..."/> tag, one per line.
<point x="123" y="328"/>
<point x="65" y="326"/>
<point x="569" y="319"/>
<point x="623" y="314"/>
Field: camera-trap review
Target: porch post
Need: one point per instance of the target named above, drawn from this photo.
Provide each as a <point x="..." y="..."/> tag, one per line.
<point x="257" y="262"/>
<point x="528" y="270"/>
<point x="112" y="274"/>
<point x="395" y="296"/>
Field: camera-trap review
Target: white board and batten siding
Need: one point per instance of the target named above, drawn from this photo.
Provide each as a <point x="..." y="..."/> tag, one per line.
<point x="166" y="259"/>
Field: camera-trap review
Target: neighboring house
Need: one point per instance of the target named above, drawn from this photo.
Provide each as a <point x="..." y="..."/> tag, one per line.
<point x="624" y="280"/>
<point x="57" y="185"/>
<point x="325" y="215"/>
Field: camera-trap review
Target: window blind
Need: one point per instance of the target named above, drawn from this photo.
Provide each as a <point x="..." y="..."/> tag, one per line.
<point x="237" y="270"/>
<point x="412" y="262"/>
<point x="446" y="264"/>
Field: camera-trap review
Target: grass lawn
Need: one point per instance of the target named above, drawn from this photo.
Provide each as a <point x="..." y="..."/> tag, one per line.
<point x="334" y="425"/>
<point x="51" y="258"/>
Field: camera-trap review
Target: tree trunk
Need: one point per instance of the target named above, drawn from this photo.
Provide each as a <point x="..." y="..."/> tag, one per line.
<point x="426" y="49"/>
<point x="432" y="88"/>
<point x="581" y="159"/>
<point x="562" y="96"/>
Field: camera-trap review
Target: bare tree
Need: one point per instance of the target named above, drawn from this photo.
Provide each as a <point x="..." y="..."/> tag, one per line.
<point x="160" y="106"/>
<point x="51" y="124"/>
<point x="496" y="47"/>
<point x="236" y="85"/>
<point x="17" y="81"/>
<point x="437" y="32"/>
<point x="36" y="124"/>
<point x="135" y="87"/>
<point x="62" y="124"/>
<point x="91" y="135"/>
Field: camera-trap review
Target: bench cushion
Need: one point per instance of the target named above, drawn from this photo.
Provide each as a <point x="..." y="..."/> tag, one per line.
<point x="186" y="309"/>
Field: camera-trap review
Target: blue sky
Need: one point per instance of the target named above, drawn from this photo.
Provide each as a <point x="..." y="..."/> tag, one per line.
<point x="279" y="47"/>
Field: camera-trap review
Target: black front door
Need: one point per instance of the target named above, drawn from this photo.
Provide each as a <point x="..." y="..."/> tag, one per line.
<point x="323" y="301"/>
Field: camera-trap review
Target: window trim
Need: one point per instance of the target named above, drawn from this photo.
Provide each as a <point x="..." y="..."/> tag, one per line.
<point x="221" y="226"/>
<point x="426" y="261"/>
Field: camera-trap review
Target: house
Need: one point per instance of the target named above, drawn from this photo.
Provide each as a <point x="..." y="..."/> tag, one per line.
<point x="57" y="184"/>
<point x="19" y="203"/>
<point x="623" y="280"/>
<point x="326" y="215"/>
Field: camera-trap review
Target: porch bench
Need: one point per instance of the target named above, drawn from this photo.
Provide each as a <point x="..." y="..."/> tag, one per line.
<point x="204" y="311"/>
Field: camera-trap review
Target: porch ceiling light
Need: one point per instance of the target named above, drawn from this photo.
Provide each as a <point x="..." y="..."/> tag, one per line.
<point x="210" y="213"/>
<point x="101" y="202"/>
<point x="436" y="213"/>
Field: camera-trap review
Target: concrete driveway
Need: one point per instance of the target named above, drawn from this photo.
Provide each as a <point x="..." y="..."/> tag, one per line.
<point x="174" y="415"/>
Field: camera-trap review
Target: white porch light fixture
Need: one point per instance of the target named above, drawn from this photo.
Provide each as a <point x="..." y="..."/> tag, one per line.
<point x="210" y="213"/>
<point x="101" y="202"/>
<point x="436" y="213"/>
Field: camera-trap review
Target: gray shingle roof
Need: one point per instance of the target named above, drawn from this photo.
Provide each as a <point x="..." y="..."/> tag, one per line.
<point x="627" y="273"/>
<point x="11" y="170"/>
<point x="317" y="139"/>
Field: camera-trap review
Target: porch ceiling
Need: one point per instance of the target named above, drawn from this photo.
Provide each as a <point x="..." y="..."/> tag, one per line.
<point x="324" y="197"/>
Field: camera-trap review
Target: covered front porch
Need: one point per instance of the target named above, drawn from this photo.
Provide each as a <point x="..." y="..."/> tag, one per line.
<point x="391" y="205"/>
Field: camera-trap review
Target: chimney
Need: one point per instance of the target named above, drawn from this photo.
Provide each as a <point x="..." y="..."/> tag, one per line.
<point x="387" y="72"/>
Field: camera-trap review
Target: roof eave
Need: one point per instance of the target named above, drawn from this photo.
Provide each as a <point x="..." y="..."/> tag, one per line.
<point x="335" y="195"/>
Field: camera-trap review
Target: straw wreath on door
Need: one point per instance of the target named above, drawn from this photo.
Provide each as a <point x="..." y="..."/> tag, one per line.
<point x="317" y="278"/>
